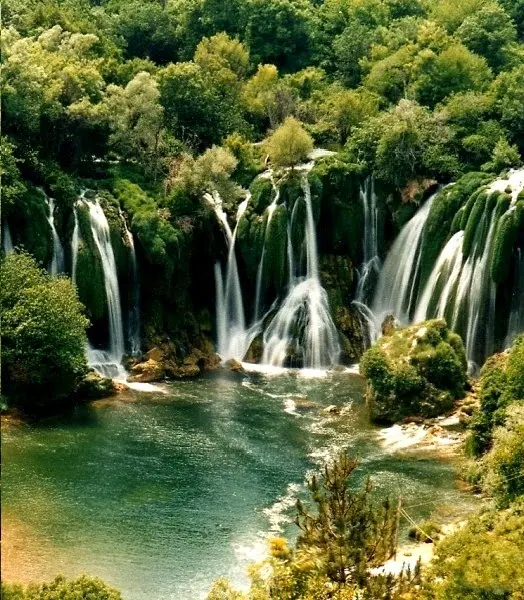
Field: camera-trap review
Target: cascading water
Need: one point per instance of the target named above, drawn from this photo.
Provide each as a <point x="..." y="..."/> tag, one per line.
<point x="396" y="288"/>
<point x="260" y="271"/>
<point x="75" y="240"/>
<point x="134" y="309"/>
<point x="303" y="326"/>
<point x="7" y="241"/>
<point x="460" y="287"/>
<point x="57" y="264"/>
<point x="371" y="262"/>
<point x="234" y="338"/>
<point x="108" y="363"/>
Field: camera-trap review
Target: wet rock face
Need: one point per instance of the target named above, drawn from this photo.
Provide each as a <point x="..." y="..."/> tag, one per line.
<point x="415" y="371"/>
<point x="337" y="276"/>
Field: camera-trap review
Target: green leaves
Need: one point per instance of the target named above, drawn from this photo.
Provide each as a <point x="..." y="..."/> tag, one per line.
<point x="43" y="333"/>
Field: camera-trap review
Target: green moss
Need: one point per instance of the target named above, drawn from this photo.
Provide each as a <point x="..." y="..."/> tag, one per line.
<point x="508" y="229"/>
<point x="275" y="260"/>
<point x="30" y="227"/>
<point x="440" y="219"/>
<point x="468" y="207"/>
<point x="477" y="223"/>
<point x="341" y="217"/>
<point x="251" y="233"/>
<point x="261" y="194"/>
<point x="418" y="370"/>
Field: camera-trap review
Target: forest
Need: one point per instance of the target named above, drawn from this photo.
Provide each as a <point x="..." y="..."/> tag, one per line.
<point x="191" y="187"/>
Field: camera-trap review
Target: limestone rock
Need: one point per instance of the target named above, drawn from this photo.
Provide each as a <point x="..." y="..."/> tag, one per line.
<point x="234" y="366"/>
<point x="147" y="371"/>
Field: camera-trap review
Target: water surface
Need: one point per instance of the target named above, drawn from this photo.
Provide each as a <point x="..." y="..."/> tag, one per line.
<point x="161" y="493"/>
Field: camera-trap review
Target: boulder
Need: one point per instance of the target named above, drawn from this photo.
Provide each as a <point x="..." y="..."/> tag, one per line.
<point x="147" y="371"/>
<point x="94" y="387"/>
<point x="234" y="366"/>
<point x="332" y="409"/>
<point x="415" y="371"/>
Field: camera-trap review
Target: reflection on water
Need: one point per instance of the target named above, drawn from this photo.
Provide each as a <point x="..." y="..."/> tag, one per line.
<point x="160" y="494"/>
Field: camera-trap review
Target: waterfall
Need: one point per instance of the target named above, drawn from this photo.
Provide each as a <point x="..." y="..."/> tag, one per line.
<point x="460" y="287"/>
<point x="7" y="241"/>
<point x="463" y="292"/>
<point x="396" y="288"/>
<point x="75" y="240"/>
<point x="371" y="262"/>
<point x="234" y="338"/>
<point x="260" y="271"/>
<point x="57" y="264"/>
<point x="108" y="363"/>
<point x="133" y="326"/>
<point x="516" y="317"/>
<point x="303" y="325"/>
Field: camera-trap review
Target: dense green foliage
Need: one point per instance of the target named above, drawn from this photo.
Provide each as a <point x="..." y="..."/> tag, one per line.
<point x="81" y="588"/>
<point x="419" y="370"/>
<point x="501" y="383"/>
<point x="43" y="332"/>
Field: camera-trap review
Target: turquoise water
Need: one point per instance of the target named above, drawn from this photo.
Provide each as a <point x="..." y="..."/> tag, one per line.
<point x="161" y="493"/>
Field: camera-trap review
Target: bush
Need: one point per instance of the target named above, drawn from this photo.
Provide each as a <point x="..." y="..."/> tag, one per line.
<point x="289" y="144"/>
<point x="504" y="476"/>
<point x="482" y="560"/>
<point x="427" y="531"/>
<point x="43" y="333"/>
<point x="81" y="588"/>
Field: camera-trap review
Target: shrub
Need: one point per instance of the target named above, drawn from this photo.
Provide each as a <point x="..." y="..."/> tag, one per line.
<point x="427" y="531"/>
<point x="43" y="332"/>
<point x="289" y="144"/>
<point x="81" y="588"/>
<point x="504" y="476"/>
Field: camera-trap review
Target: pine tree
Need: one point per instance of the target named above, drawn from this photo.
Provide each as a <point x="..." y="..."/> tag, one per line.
<point x="347" y="530"/>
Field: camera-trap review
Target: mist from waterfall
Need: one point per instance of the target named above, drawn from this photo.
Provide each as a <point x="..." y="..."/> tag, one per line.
<point x="303" y="326"/>
<point x="57" y="264"/>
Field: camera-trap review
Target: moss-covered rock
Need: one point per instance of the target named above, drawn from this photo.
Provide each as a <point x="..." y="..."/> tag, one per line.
<point x="341" y="215"/>
<point x="29" y="225"/>
<point x="417" y="370"/>
<point x="94" y="386"/>
<point x="509" y="227"/>
<point x="442" y="214"/>
<point x="336" y="274"/>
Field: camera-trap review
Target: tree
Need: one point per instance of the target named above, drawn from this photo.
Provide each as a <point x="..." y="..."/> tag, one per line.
<point x="278" y="32"/>
<point x="148" y="31"/>
<point x="43" y="333"/>
<point x="289" y="144"/>
<point x="454" y="70"/>
<point x="136" y="120"/>
<point x="487" y="33"/>
<point x="346" y="528"/>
